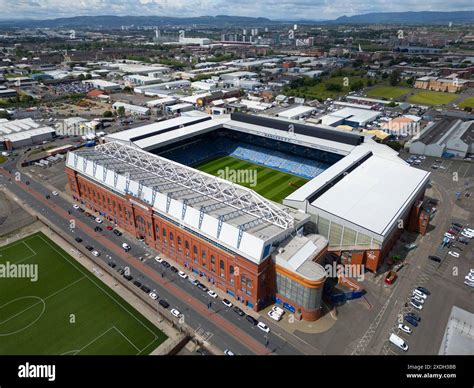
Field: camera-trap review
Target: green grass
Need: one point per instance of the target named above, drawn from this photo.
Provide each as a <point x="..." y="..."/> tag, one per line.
<point x="467" y="102"/>
<point x="388" y="92"/>
<point x="432" y="98"/>
<point x="272" y="184"/>
<point x="3" y="159"/>
<point x="37" y="317"/>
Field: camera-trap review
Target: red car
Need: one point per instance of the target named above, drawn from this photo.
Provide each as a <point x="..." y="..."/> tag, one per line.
<point x="109" y="228"/>
<point x="390" y="278"/>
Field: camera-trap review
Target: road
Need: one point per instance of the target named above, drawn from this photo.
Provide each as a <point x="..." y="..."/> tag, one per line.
<point x="218" y="325"/>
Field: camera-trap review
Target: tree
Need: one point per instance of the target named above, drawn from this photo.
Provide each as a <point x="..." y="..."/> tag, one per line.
<point x="108" y="113"/>
<point x="394" y="145"/>
<point x="121" y="111"/>
<point x="395" y="77"/>
<point x="88" y="76"/>
<point x="330" y="87"/>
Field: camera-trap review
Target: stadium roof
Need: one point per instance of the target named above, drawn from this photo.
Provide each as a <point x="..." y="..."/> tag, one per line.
<point x="374" y="195"/>
<point x="233" y="216"/>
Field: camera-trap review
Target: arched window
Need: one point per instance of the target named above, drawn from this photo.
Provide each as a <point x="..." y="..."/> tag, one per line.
<point x="213" y="260"/>
<point x="221" y="264"/>
<point x="231" y="269"/>
<point x="186" y="244"/>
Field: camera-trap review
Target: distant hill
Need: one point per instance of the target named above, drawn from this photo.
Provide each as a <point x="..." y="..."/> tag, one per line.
<point x="111" y="21"/>
<point x="424" y="17"/>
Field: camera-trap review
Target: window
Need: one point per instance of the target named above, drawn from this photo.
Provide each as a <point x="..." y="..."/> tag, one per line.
<point x="231" y="269"/>
<point x="186" y="244"/>
<point x="164" y="232"/>
<point x="171" y="236"/>
<point x="179" y="240"/>
<point x="203" y="253"/>
<point x="213" y="260"/>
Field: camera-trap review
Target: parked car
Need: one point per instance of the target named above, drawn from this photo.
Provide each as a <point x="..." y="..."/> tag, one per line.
<point x="417" y="298"/>
<point x="98" y="220"/>
<point x="175" y="313"/>
<point x="273" y="315"/>
<point x="111" y="264"/>
<point x="450" y="236"/>
<point x="390" y="277"/>
<point x="435" y="258"/>
<point x="212" y="294"/>
<point x="416" y="305"/>
<point x="165" y="264"/>
<point x="454" y="254"/>
<point x="117" y="232"/>
<point x="251" y="319"/>
<point x="174" y="269"/>
<point x="420" y="294"/>
<point x="153" y="295"/>
<point x="458" y="225"/>
<point x="411" y="320"/>
<point x="202" y="287"/>
<point x="278" y="310"/>
<point x="163" y="303"/>
<point x="228" y="352"/>
<point x="181" y="274"/>
<point x="128" y="277"/>
<point x="404" y="328"/>
<point x="398" y="342"/>
<point x="158" y="259"/>
<point x="108" y="227"/>
<point x="414" y="316"/>
<point x="137" y="283"/>
<point x="55" y="193"/>
<point x="463" y="240"/>
<point x="126" y="247"/>
<point x="78" y="239"/>
<point x="76" y="207"/>
<point x="238" y="311"/>
<point x="227" y="303"/>
<point x="263" y="327"/>
<point x="89" y="248"/>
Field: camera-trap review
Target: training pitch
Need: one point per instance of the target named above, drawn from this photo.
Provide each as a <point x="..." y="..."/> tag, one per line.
<point x="268" y="182"/>
<point x="68" y="310"/>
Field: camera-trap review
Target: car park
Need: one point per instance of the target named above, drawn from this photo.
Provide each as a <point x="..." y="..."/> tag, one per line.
<point x="263" y="327"/>
<point x="227" y="303"/>
<point x="238" y="311"/>
<point x="212" y="294"/>
<point x="454" y="254"/>
<point x="251" y="319"/>
<point x="404" y="328"/>
<point x="153" y="295"/>
<point x="163" y="303"/>
<point x="175" y="313"/>
<point x="181" y="274"/>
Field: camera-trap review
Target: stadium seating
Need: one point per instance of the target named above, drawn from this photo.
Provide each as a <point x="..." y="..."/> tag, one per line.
<point x="293" y="159"/>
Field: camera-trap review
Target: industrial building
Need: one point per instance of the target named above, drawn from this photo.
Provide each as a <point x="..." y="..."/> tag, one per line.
<point x="20" y="133"/>
<point x="297" y="112"/>
<point x="255" y="250"/>
<point x="135" y="110"/>
<point x="103" y="85"/>
<point x="444" y="138"/>
<point x="350" y="116"/>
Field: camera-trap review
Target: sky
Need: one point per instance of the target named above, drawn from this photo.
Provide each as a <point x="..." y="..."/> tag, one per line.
<point x="273" y="9"/>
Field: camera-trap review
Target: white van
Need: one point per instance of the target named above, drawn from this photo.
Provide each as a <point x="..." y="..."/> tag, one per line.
<point x="126" y="247"/>
<point x="399" y="342"/>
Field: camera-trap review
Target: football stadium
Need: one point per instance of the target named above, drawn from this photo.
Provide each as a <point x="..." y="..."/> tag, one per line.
<point x="253" y="204"/>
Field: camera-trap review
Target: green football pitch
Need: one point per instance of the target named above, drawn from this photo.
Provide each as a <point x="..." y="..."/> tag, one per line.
<point x="67" y="310"/>
<point x="268" y="182"/>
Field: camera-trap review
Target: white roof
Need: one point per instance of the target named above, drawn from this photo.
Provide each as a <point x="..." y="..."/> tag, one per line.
<point x="192" y="99"/>
<point x="355" y="114"/>
<point x="160" y="101"/>
<point x="296" y="111"/>
<point x="373" y="195"/>
<point x="27" y="134"/>
<point x="125" y="136"/>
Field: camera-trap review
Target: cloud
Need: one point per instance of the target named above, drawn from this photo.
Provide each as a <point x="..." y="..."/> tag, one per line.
<point x="287" y="9"/>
